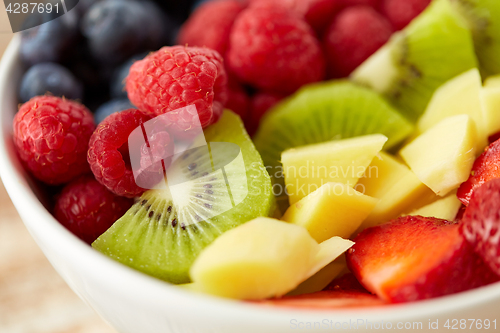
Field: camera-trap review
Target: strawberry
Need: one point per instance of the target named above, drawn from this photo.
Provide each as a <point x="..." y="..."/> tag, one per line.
<point x="485" y="168"/>
<point x="414" y="258"/>
<point x="331" y="299"/>
<point x="481" y="223"/>
<point x="346" y="282"/>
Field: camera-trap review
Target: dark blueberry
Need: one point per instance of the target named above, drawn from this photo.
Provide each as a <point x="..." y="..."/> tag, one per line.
<point x="118" y="29"/>
<point x="50" y="78"/>
<point x="52" y="41"/>
<point x="115" y="105"/>
<point x="84" y="5"/>
<point x="198" y="3"/>
<point x="178" y="9"/>
<point x="117" y="86"/>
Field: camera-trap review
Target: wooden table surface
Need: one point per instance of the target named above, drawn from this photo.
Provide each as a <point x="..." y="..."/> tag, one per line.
<point x="33" y="298"/>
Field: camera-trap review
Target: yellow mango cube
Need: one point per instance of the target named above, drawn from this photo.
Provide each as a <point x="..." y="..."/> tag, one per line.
<point x="334" y="209"/>
<point x="397" y="187"/>
<point x="308" y="168"/>
<point x="262" y="258"/>
<point x="491" y="101"/>
<point x="446" y="208"/>
<point x="460" y="95"/>
<point x="442" y="157"/>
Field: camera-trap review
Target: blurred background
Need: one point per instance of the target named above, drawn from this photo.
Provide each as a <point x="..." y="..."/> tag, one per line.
<point x="33" y="298"/>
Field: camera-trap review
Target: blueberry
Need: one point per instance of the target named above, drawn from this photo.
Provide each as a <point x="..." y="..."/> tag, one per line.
<point x="118" y="80"/>
<point x="118" y="29"/>
<point x="51" y="41"/>
<point x="50" y="78"/>
<point x="177" y="9"/>
<point x="115" y="105"/>
<point x="84" y="5"/>
<point x="198" y="3"/>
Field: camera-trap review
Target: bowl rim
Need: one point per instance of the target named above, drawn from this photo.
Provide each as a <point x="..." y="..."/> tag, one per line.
<point x="39" y="221"/>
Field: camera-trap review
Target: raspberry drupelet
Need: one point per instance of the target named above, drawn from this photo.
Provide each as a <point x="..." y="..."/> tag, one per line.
<point x="51" y="135"/>
<point x="109" y="157"/>
<point x="87" y="209"/>
<point x="167" y="81"/>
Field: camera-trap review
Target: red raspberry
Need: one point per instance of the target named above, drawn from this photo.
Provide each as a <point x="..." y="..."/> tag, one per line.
<point x="88" y="209"/>
<point x="238" y="100"/>
<point x="261" y="103"/>
<point x="109" y="157"/>
<point x="52" y="136"/>
<point x="210" y="25"/>
<point x="354" y="35"/>
<point x="481" y="223"/>
<point x="317" y="13"/>
<point x="400" y="13"/>
<point x="175" y="77"/>
<point x="371" y="3"/>
<point x="275" y="50"/>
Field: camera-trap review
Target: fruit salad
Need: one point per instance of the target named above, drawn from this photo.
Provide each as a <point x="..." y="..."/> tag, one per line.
<point x="312" y="154"/>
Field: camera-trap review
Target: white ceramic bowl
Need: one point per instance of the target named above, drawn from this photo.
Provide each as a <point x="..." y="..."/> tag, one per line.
<point x="136" y="303"/>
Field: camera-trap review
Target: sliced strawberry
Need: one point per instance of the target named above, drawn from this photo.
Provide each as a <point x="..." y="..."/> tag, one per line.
<point x="346" y="282"/>
<point x="481" y="223"/>
<point x="494" y="137"/>
<point x="338" y="299"/>
<point x="414" y="258"/>
<point x="485" y="168"/>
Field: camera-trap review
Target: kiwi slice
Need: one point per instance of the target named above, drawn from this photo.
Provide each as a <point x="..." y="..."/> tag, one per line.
<point x="211" y="189"/>
<point x="434" y="48"/>
<point x="324" y="112"/>
<point x="483" y="17"/>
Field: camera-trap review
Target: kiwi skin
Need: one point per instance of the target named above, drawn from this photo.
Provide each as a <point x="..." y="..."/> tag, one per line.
<point x="152" y="236"/>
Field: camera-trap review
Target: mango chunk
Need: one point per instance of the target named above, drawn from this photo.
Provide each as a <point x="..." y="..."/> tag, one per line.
<point x="461" y="95"/>
<point x="492" y="82"/>
<point x="334" y="209"/>
<point x="308" y="168"/>
<point x="397" y="187"/>
<point x="322" y="279"/>
<point x="491" y="101"/>
<point x="442" y="157"/>
<point x="446" y="208"/>
<point x="262" y="258"/>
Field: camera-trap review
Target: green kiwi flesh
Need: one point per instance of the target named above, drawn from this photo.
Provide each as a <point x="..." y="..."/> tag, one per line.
<point x="433" y="49"/>
<point x="324" y="112"/>
<point x="161" y="235"/>
<point x="483" y="17"/>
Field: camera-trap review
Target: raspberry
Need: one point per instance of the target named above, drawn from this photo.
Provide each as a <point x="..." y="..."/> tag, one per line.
<point x="238" y="100"/>
<point x="400" y="13"/>
<point x="175" y="77"/>
<point x="88" y="209"/>
<point x="481" y="223"/>
<point x="354" y="35"/>
<point x="317" y="13"/>
<point x="109" y="157"/>
<point x="371" y="3"/>
<point x="52" y="136"/>
<point x="273" y="49"/>
<point x="261" y="103"/>
<point x="210" y="25"/>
